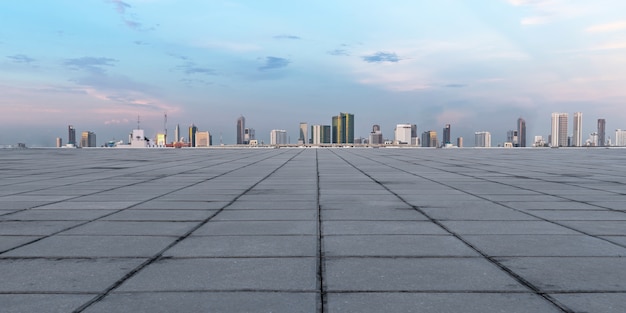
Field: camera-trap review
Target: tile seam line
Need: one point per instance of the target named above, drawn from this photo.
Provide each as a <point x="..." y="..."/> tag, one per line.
<point x="555" y="222"/>
<point x="123" y="209"/>
<point x="499" y="265"/>
<point x="320" y="243"/>
<point x="110" y="189"/>
<point x="158" y="255"/>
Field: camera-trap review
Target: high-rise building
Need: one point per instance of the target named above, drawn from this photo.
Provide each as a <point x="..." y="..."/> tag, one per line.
<point x="459" y="142"/>
<point x="248" y="135"/>
<point x="343" y="128"/>
<point x="601" y="132"/>
<point x="278" y="137"/>
<point x="376" y="136"/>
<point x="577" y="140"/>
<point x="521" y="132"/>
<point x="59" y="142"/>
<point x="446" y="135"/>
<point x="559" y="130"/>
<point x="241" y="126"/>
<point x="161" y="140"/>
<point x="304" y="134"/>
<point x="482" y="139"/>
<point x="402" y="134"/>
<point x="177" y="133"/>
<point x="88" y="139"/>
<point x="320" y="134"/>
<point x="620" y="138"/>
<point x="512" y="137"/>
<point x="429" y="138"/>
<point x="192" y="135"/>
<point x="71" y="135"/>
<point x="203" y="139"/>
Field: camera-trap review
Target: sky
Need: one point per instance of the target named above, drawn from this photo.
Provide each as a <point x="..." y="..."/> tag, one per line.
<point x="478" y="65"/>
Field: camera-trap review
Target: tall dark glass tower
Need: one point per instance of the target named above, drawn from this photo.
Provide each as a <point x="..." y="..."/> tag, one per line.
<point x="601" y="132"/>
<point x="241" y="126"/>
<point x="71" y="134"/>
<point x="192" y="135"/>
<point x="343" y="128"/>
<point x="446" y="135"/>
<point x="521" y="132"/>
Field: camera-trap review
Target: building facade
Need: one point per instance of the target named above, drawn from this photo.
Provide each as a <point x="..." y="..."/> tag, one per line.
<point x="71" y="135"/>
<point x="521" y="132"/>
<point x="429" y="138"/>
<point x="402" y="134"/>
<point x="320" y="134"/>
<point x="577" y="140"/>
<point x="482" y="139"/>
<point x="558" y="136"/>
<point x="343" y="128"/>
<point x="248" y="135"/>
<point x="303" y="139"/>
<point x="376" y="136"/>
<point x="620" y="138"/>
<point x="88" y="139"/>
<point x="192" y="135"/>
<point x="601" y="132"/>
<point x="278" y="137"/>
<point x="241" y="126"/>
<point x="203" y="139"/>
<point x="446" y="135"/>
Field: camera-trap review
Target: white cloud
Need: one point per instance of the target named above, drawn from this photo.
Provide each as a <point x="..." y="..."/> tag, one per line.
<point x="608" y="27"/>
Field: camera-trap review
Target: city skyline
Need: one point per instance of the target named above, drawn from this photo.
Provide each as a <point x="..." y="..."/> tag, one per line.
<point x="98" y="64"/>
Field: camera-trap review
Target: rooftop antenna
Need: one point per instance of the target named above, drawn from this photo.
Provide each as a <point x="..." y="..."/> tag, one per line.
<point x="138" y="122"/>
<point x="221" y="139"/>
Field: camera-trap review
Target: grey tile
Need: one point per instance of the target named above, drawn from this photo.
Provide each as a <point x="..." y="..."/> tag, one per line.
<point x="381" y="228"/>
<point x="506" y="228"/>
<point x="261" y="274"/>
<point x="395" y="245"/>
<point x="267" y="215"/>
<point x="572" y="273"/>
<point x="421" y="274"/>
<point x="604" y="228"/>
<point x="544" y="245"/>
<point x="246" y="246"/>
<point x="58" y="276"/>
<point x="9" y="242"/>
<point x="167" y="302"/>
<point x="160" y="215"/>
<point x="56" y="215"/>
<point x="593" y="302"/>
<point x="221" y="228"/>
<point x="93" y="246"/>
<point x="34" y="228"/>
<point x="132" y="228"/>
<point x="438" y="303"/>
<point x="42" y="303"/>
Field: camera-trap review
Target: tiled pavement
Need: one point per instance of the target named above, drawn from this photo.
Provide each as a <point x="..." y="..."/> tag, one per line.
<point x="313" y="230"/>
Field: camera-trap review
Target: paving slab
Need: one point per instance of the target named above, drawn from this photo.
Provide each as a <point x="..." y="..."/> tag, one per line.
<point x="224" y="274"/>
<point x="246" y="246"/>
<point x="381" y="228"/>
<point x="132" y="228"/>
<point x="507" y="228"/>
<point x="396" y="245"/>
<point x="593" y="302"/>
<point x="167" y="302"/>
<point x="417" y="274"/>
<point x="224" y="228"/>
<point x="576" y="274"/>
<point x="42" y="303"/>
<point x="438" y="302"/>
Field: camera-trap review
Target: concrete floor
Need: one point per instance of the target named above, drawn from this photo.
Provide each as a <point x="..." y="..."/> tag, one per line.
<point x="313" y="230"/>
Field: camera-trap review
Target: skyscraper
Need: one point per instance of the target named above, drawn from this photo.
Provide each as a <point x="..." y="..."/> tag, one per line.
<point x="578" y="130"/>
<point x="304" y="134"/>
<point x="278" y="137"/>
<point x="177" y="133"/>
<point x="376" y="136"/>
<point x="320" y="134"/>
<point x="521" y="132"/>
<point x="402" y="134"/>
<point x="343" y="128"/>
<point x="192" y="135"/>
<point x="601" y="132"/>
<point x="203" y="139"/>
<point x="71" y="136"/>
<point x="559" y="130"/>
<point x="88" y="139"/>
<point x="241" y="126"/>
<point x="429" y="138"/>
<point x="482" y="139"/>
<point x="446" y="135"/>
<point x="620" y="138"/>
<point x="248" y="135"/>
<point x="512" y="137"/>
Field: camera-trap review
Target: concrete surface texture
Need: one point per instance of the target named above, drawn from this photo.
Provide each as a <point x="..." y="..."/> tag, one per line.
<point x="313" y="230"/>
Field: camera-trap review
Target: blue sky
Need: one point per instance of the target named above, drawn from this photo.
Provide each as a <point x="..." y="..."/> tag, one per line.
<point x="478" y="65"/>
